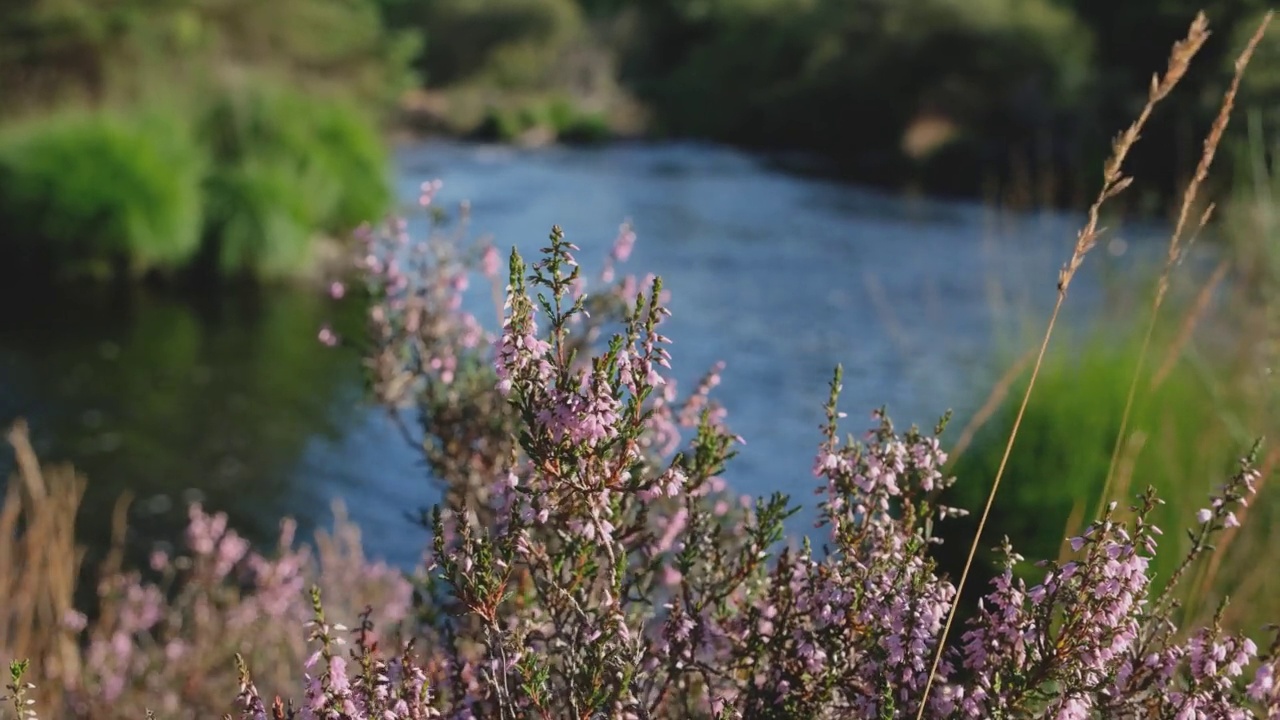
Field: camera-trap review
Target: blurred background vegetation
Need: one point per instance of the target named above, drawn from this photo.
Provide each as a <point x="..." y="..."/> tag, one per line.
<point x="173" y="138"/>
<point x="192" y="139"/>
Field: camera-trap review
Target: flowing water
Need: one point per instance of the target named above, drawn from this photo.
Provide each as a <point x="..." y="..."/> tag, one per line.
<point x="232" y="402"/>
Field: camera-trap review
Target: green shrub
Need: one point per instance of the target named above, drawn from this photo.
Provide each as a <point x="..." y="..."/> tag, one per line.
<point x="574" y="124"/>
<point x="845" y="76"/>
<point x="509" y="44"/>
<point x="100" y="194"/>
<point x="122" y="50"/>
<point x="504" y="124"/>
<point x="559" y="115"/>
<point x="261" y="218"/>
<point x="241" y="191"/>
<point x="286" y="167"/>
<point x="348" y="147"/>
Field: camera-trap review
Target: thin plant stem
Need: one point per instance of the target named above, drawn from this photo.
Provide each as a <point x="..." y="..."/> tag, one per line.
<point x="994" y="400"/>
<point x="1176" y="248"/>
<point x="1189" y="323"/>
<point x="1114" y="182"/>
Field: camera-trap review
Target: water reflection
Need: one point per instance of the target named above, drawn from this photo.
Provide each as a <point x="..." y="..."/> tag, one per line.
<point x="175" y="399"/>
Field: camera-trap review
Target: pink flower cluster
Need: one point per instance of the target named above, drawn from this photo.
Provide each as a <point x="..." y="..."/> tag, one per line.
<point x="167" y="642"/>
<point x="367" y="685"/>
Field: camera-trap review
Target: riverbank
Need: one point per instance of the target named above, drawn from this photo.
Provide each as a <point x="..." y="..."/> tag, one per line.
<point x="1009" y="102"/>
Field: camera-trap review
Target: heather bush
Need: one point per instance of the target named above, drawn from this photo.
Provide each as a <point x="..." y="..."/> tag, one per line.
<point x="583" y="566"/>
<point x="169" y="644"/>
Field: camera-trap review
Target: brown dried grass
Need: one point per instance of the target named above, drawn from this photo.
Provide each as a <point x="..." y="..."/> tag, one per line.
<point x="39" y="564"/>
<point x="1114" y="182"/>
<point x="1177" y="248"/>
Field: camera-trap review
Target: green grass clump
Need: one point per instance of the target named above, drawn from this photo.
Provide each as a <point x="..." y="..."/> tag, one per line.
<point x="573" y="124"/>
<point x="286" y="166"/>
<point x="1190" y="440"/>
<point x="260" y="218"/>
<point x="100" y="194"/>
<point x="237" y="186"/>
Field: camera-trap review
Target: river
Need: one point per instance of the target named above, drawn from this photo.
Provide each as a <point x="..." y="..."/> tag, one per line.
<point x="232" y="402"/>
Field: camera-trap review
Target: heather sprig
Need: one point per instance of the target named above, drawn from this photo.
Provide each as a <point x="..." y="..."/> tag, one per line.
<point x="1265" y="687"/>
<point x="849" y="630"/>
<point x="592" y="517"/>
<point x="17" y="689"/>
<point x="576" y="527"/>
<point x="1093" y="640"/>
<point x="361" y="684"/>
<point x="1219" y="516"/>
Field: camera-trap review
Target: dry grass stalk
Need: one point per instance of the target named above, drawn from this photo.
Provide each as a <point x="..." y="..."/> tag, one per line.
<point x="39" y="563"/>
<point x="995" y="399"/>
<point x="897" y="333"/>
<point x="1114" y="183"/>
<point x="1189" y="323"/>
<point x="1176" y="247"/>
